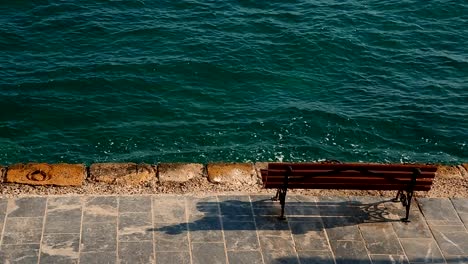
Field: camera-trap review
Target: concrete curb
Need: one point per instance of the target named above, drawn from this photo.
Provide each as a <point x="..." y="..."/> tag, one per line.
<point x="131" y="174"/>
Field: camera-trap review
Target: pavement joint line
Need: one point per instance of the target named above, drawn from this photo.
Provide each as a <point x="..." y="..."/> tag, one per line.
<point x="432" y="232"/>
<point x="117" y="242"/>
<point x="292" y="240"/>
<point x="187" y="219"/>
<point x="365" y="243"/>
<point x="256" y="229"/>
<point x="4" y="225"/>
<point x="220" y="219"/>
<point x="325" y="233"/>
<point x="82" y="201"/>
<point x="399" y="242"/>
<point x="43" y="229"/>
<point x="458" y="214"/>
<point x="153" y="235"/>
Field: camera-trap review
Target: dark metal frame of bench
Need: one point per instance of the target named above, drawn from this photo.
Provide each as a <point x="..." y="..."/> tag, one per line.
<point x="403" y="178"/>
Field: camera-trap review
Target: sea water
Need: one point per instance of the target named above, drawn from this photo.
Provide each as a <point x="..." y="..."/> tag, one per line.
<point x="235" y="80"/>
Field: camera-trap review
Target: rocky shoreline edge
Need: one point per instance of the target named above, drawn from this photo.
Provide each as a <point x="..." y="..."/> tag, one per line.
<point x="178" y="178"/>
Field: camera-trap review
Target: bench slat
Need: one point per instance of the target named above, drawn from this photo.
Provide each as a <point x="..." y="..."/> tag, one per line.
<point x="348" y="173"/>
<point x="341" y="186"/>
<point x="357" y="180"/>
<point x="333" y="166"/>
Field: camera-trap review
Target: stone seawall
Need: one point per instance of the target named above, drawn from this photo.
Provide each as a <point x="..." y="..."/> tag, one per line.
<point x="133" y="174"/>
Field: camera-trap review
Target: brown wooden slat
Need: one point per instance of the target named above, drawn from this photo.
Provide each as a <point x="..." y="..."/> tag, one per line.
<point x="349" y="180"/>
<point x="264" y="174"/>
<point x="341" y="186"/>
<point x="348" y="173"/>
<point x="369" y="166"/>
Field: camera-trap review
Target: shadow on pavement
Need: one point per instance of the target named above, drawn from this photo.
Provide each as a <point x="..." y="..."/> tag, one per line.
<point x="263" y="215"/>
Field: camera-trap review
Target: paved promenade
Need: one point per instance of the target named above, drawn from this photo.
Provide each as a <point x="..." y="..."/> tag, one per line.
<point x="230" y="229"/>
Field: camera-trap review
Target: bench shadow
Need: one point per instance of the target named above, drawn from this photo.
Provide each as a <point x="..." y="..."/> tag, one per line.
<point x="302" y="216"/>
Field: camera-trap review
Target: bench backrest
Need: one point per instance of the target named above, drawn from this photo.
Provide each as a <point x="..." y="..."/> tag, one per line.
<point x="350" y="176"/>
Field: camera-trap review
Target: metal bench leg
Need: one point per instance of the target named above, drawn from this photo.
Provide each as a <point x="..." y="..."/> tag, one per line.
<point x="282" y="197"/>
<point x="409" y="198"/>
<point x="275" y="198"/>
<point x="397" y="198"/>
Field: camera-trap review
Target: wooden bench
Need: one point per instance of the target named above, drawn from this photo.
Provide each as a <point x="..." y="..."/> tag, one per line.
<point x="403" y="178"/>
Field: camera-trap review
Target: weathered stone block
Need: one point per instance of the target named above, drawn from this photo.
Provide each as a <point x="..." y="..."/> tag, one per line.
<point x="2" y="173"/>
<point x="232" y="173"/>
<point x="122" y="173"/>
<point x="258" y="167"/>
<point x="179" y="172"/>
<point x="444" y="171"/>
<point x="47" y="174"/>
<point x="463" y="170"/>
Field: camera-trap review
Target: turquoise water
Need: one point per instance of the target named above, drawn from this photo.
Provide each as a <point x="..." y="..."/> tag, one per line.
<point x="235" y="80"/>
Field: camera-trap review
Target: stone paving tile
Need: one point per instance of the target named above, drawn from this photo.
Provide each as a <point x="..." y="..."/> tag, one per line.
<point x="27" y="207"/>
<point x="206" y="229"/>
<point x="304" y="199"/>
<point x="301" y="210"/>
<point x="335" y="206"/>
<point x="57" y="260"/>
<point x="203" y="253"/>
<point x="268" y="211"/>
<point x="98" y="257"/>
<point x="309" y="235"/>
<point x="275" y="240"/>
<point x="316" y="257"/>
<point x="422" y="250"/>
<point x="341" y="228"/>
<point x="417" y="228"/>
<point x="389" y="259"/>
<point x="263" y="205"/>
<point x="99" y="237"/>
<point x="169" y="209"/>
<point x="60" y="248"/>
<point x="135" y="204"/>
<point x="350" y="252"/>
<point x="235" y="205"/>
<point x="63" y="215"/>
<point x="237" y="218"/>
<point x="381" y="239"/>
<point x="170" y="237"/>
<point x="23" y="230"/>
<point x="241" y="236"/>
<point x="369" y="209"/>
<point x="136" y="252"/>
<point x="3" y="206"/>
<point x="205" y="206"/>
<point x="271" y="223"/>
<point x="439" y="211"/>
<point x="2" y="220"/>
<point x="173" y="257"/>
<point x="264" y="200"/>
<point x="28" y="253"/>
<point x="461" y="206"/>
<point x="245" y="257"/>
<point x="100" y="209"/>
<point x="280" y="256"/>
<point x="452" y="240"/>
<point x="457" y="260"/>
<point x="135" y="227"/>
<point x="3" y="211"/>
<point x="57" y="224"/>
